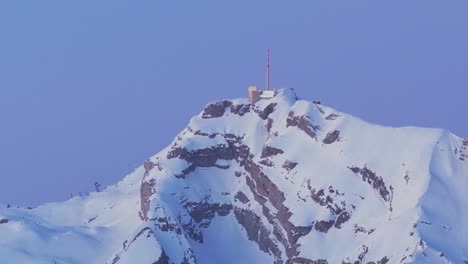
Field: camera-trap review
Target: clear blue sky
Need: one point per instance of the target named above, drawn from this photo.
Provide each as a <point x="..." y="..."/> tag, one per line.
<point x="90" y="89"/>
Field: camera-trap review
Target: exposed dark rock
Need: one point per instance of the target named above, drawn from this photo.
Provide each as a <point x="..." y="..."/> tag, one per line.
<point x="303" y="123"/>
<point x="324" y="226"/>
<point x="263" y="185"/>
<point x="269" y="124"/>
<point x="257" y="232"/>
<point x="163" y="259"/>
<point x="263" y="191"/>
<point x="266" y="162"/>
<point x="327" y="201"/>
<point x="204" y="134"/>
<point x="240" y="109"/>
<point x="286" y="233"/>
<point x="257" y="197"/>
<point x="340" y="213"/>
<point x="320" y="198"/>
<point x="293" y="232"/>
<point x="407" y="178"/>
<point x="342" y="218"/>
<point x="216" y="109"/>
<point x="391" y="198"/>
<point x="148" y="165"/>
<point x="116" y="259"/>
<point x="269" y="151"/>
<point x="375" y="181"/>
<point x="308" y="261"/>
<point x="332" y="116"/>
<point x="201" y="214"/>
<point x="227" y="136"/>
<point x="146" y="191"/>
<point x="360" y="229"/>
<point x="289" y="165"/>
<point x="263" y="114"/>
<point x="241" y="197"/>
<point x="194" y="232"/>
<point x="331" y="137"/>
<point x="145" y="231"/>
<point x="206" y="211"/>
<point x="206" y="157"/>
<point x="363" y="254"/>
<point x="465" y="142"/>
<point x="233" y="138"/>
<point x="4" y="221"/>
<point x="384" y="260"/>
<point x="166" y="224"/>
<point x="320" y="109"/>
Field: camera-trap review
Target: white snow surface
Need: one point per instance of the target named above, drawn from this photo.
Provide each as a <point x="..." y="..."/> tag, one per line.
<point x="385" y="195"/>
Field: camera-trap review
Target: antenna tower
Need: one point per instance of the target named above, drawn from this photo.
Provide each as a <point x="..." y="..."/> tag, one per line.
<point x="268" y="70"/>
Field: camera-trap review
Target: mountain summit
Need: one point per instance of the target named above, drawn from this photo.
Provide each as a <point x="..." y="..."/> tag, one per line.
<point x="279" y="181"/>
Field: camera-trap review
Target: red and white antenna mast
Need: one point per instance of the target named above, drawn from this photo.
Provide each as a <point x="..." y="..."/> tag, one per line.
<point x="268" y="70"/>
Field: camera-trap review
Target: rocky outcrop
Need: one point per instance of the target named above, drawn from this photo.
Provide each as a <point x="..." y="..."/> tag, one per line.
<point x="204" y="211"/>
<point x="331" y="137"/>
<point x="269" y="151"/>
<point x="308" y="261"/>
<point x="302" y="122"/>
<point x="323" y="226"/>
<point x="215" y="110"/>
<point x="373" y="180"/>
<point x="206" y="157"/>
<point x="257" y="232"/>
<point x="360" y="229"/>
<point x="265" y="113"/>
<point x="332" y="116"/>
<point x="146" y="191"/>
<point x="241" y="197"/>
<point x="240" y="109"/>
<point x="289" y="165"/>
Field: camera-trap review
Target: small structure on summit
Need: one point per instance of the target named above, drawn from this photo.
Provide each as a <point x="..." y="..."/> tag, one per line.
<point x="255" y="93"/>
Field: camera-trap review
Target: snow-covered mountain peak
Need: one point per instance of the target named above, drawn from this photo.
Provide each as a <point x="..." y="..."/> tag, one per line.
<point x="279" y="181"/>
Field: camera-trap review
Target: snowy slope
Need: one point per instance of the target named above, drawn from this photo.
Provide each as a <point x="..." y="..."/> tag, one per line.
<point x="281" y="181"/>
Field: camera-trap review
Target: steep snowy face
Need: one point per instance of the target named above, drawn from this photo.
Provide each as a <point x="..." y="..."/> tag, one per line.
<point x="290" y="181"/>
<point x="279" y="181"/>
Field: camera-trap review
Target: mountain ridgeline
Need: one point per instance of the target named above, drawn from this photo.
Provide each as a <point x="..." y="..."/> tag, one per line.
<point x="279" y="181"/>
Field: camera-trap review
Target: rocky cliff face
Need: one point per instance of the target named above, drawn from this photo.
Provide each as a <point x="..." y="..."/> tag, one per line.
<point x="289" y="181"/>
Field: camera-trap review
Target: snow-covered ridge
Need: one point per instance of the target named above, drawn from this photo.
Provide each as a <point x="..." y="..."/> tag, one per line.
<point x="281" y="181"/>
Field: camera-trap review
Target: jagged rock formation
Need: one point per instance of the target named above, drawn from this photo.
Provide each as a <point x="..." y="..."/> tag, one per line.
<point x="280" y="181"/>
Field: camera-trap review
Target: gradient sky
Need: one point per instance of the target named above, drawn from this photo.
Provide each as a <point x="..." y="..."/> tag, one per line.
<point x="89" y="89"/>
